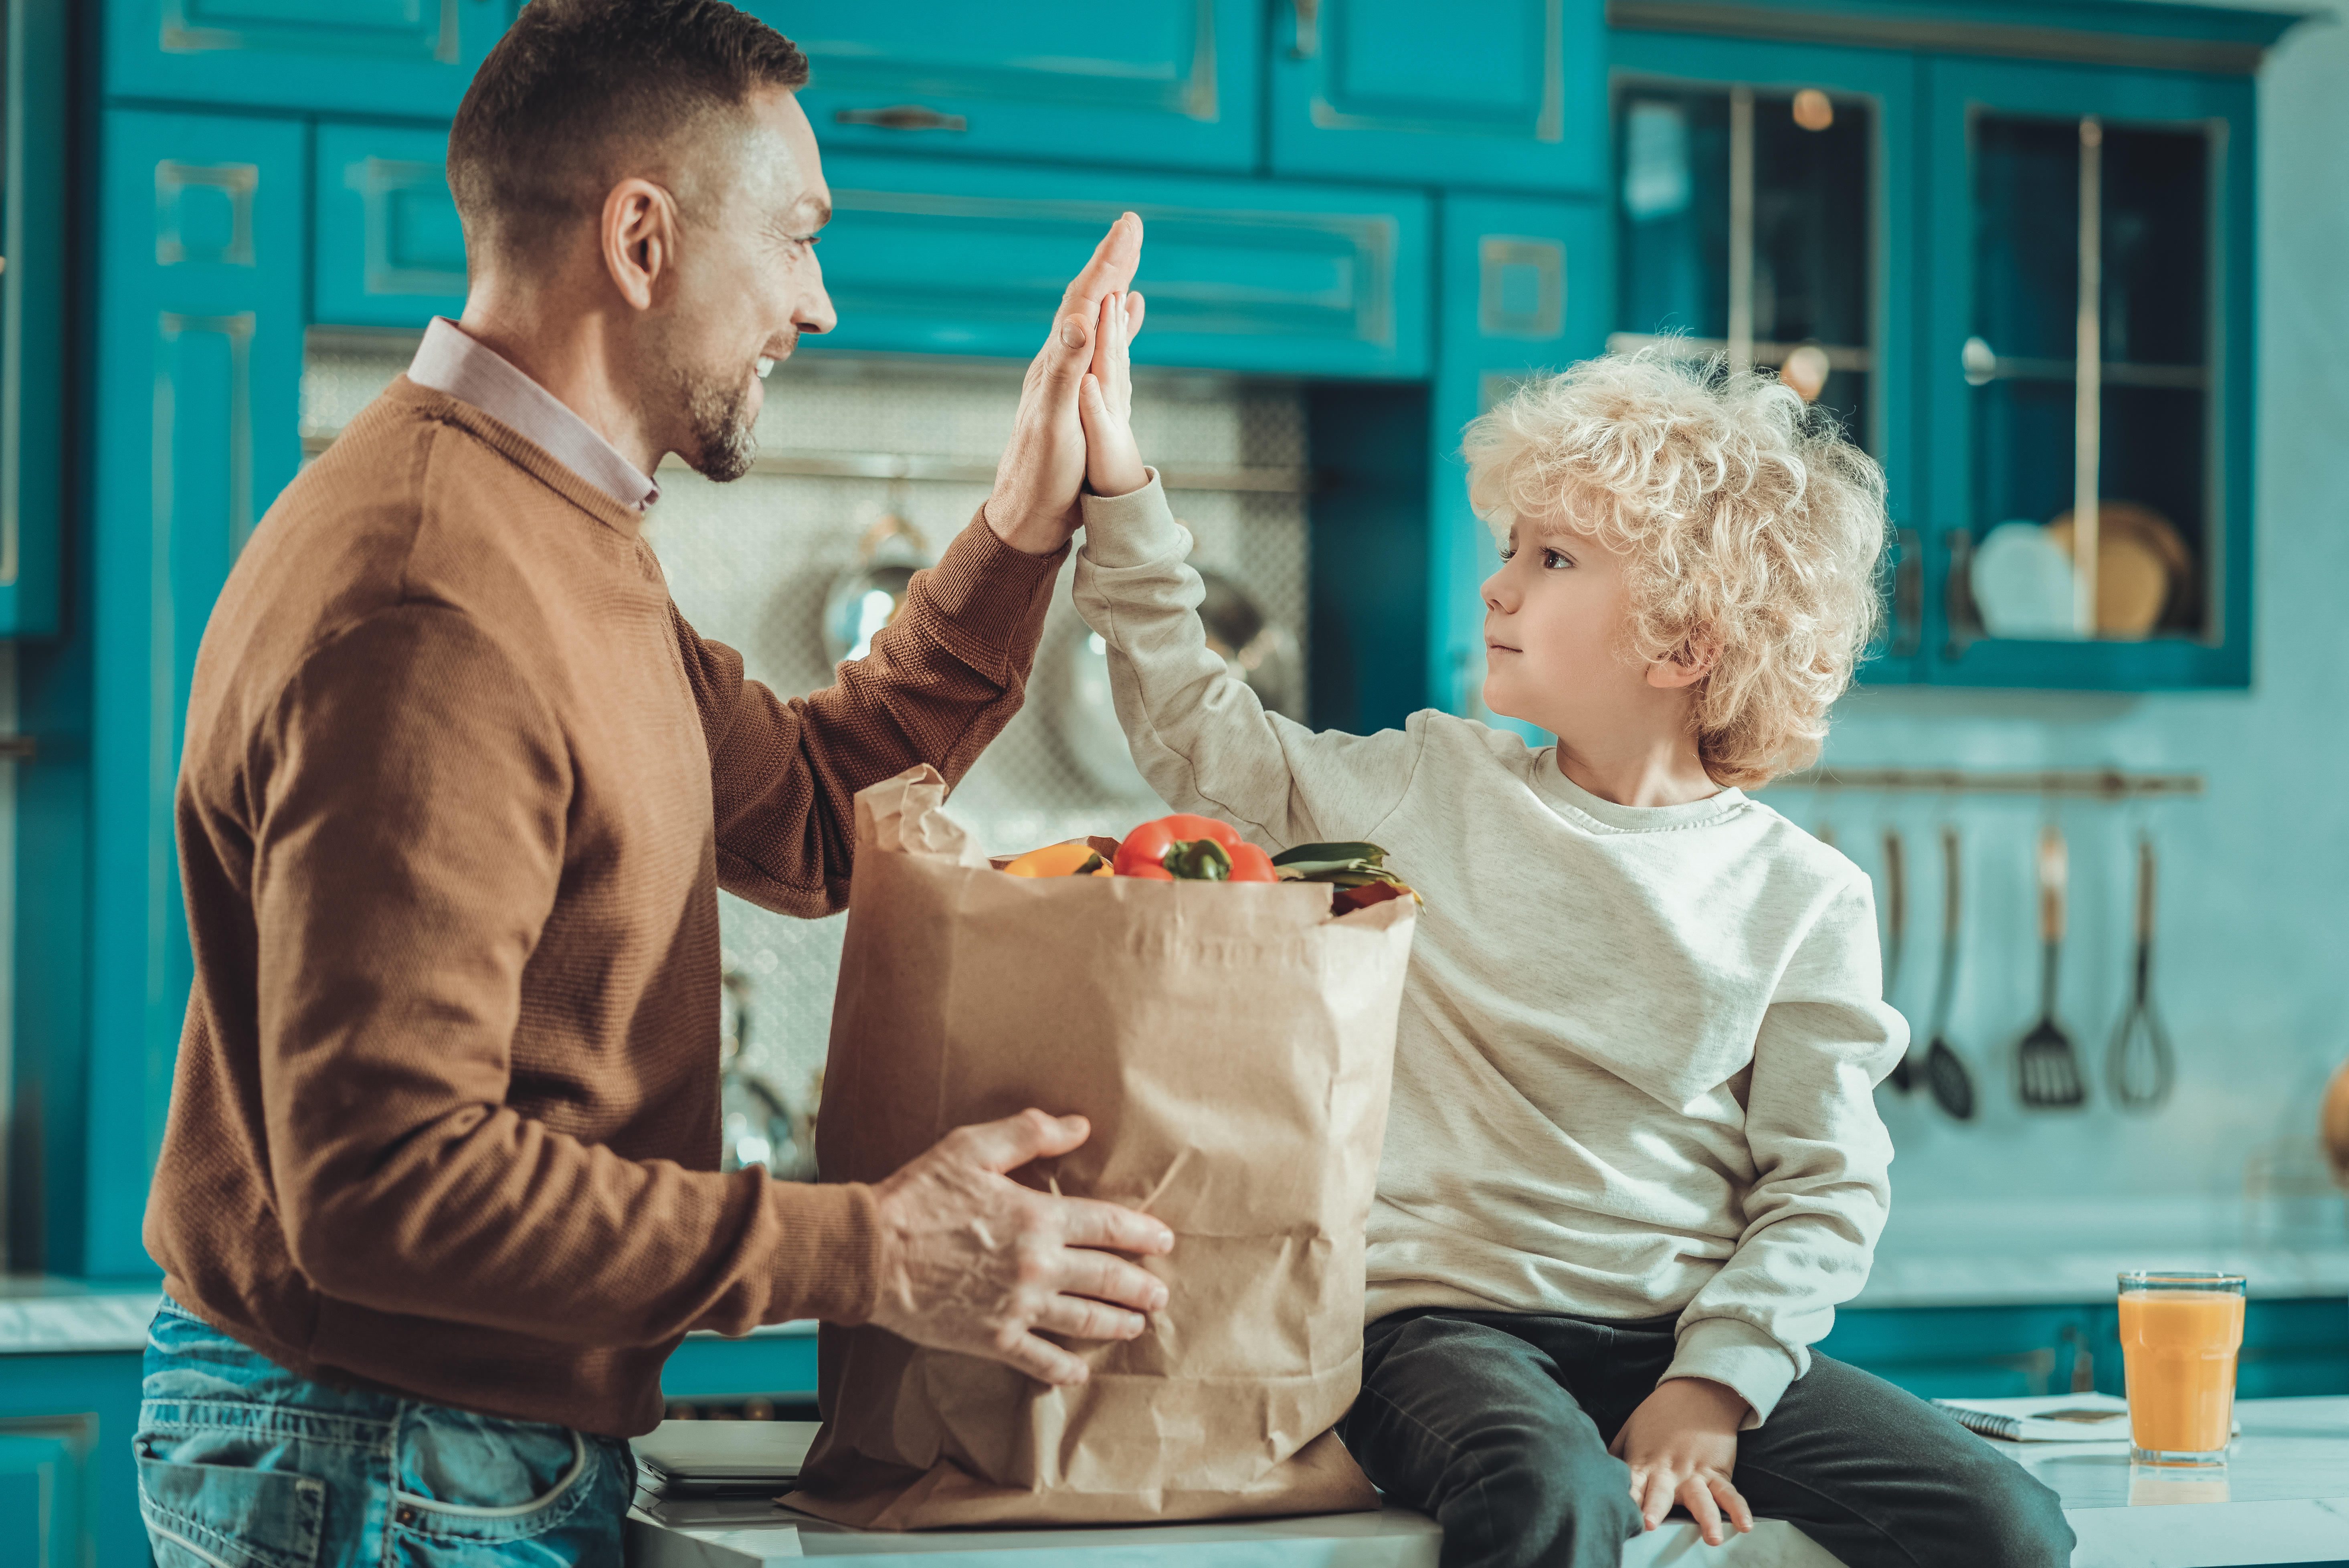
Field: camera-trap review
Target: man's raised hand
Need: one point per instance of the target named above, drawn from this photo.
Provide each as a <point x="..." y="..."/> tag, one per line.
<point x="973" y="1262"/>
<point x="1034" y="504"/>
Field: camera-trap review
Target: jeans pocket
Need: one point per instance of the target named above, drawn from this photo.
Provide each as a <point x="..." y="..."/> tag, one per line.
<point x="464" y="1478"/>
<point x="225" y="1516"/>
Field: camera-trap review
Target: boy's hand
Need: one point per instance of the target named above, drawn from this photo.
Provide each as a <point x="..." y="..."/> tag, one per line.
<point x="1113" y="462"/>
<point x="1682" y="1445"/>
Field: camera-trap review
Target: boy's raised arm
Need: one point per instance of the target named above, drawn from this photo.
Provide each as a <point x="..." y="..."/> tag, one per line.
<point x="1821" y="1162"/>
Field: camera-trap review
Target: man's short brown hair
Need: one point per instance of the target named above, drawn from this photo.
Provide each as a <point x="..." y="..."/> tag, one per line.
<point x="576" y="83"/>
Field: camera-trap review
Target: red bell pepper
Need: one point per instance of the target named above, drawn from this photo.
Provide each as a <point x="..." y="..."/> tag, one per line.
<point x="1193" y="848"/>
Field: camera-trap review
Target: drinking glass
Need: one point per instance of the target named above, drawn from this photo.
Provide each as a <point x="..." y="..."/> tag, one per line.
<point x="2180" y="1329"/>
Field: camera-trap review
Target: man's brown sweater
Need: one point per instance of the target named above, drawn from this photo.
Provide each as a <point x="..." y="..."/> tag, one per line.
<point x="460" y="786"/>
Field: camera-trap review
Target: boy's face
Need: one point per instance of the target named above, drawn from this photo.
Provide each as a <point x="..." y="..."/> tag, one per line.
<point x="1556" y="633"/>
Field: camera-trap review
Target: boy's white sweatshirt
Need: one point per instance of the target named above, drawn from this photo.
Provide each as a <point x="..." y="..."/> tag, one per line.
<point x="1634" y="1069"/>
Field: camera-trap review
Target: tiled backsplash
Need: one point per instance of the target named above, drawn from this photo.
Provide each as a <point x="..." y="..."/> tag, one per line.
<point x="751" y="563"/>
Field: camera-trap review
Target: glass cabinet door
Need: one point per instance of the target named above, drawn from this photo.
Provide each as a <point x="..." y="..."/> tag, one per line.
<point x="1753" y="221"/>
<point x="2092" y="502"/>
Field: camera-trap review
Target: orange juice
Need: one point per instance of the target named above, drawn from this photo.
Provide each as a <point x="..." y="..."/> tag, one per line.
<point x="2180" y="1349"/>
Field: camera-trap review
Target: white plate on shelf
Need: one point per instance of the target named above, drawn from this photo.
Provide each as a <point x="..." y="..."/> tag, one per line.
<point x="2023" y="585"/>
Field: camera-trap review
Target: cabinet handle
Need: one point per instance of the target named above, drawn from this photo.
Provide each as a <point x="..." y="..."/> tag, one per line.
<point x="1907" y="595"/>
<point x="900" y="117"/>
<point x="20" y="747"/>
<point x="1308" y="43"/>
<point x="1957" y="592"/>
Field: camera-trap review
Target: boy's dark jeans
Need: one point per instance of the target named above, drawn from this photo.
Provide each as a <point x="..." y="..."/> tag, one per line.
<point x="1497" y="1424"/>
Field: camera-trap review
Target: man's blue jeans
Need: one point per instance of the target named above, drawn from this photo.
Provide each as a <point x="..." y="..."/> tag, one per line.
<point x="241" y="1464"/>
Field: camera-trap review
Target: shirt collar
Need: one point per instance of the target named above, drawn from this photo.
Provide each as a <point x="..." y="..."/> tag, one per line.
<point x="449" y="361"/>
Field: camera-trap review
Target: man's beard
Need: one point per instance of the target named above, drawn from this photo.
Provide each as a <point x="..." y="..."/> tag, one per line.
<point x="719" y="420"/>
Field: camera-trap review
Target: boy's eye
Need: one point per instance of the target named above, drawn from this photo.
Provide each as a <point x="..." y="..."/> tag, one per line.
<point x="1553" y="562"/>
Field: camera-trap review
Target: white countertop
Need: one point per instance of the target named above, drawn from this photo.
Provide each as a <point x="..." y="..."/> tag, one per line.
<point x="2281" y="1498"/>
<point x="2067" y="1276"/>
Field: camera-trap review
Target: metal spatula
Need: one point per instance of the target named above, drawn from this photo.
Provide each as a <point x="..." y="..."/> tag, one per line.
<point x="2047" y="1070"/>
<point x="1945" y="1070"/>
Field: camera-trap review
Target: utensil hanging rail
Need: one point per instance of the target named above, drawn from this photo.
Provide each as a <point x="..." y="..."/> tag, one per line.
<point x="947" y="471"/>
<point x="2096" y="783"/>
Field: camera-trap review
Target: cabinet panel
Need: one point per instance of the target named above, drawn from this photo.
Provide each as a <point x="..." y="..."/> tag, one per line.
<point x="2132" y="189"/>
<point x="1297" y="280"/>
<point x="65" y="1422"/>
<point x="1529" y="287"/>
<point x="364" y="56"/>
<point x="1508" y="93"/>
<point x="32" y="314"/>
<point x="202" y="224"/>
<point x="1166" y="81"/>
<point x="391" y="250"/>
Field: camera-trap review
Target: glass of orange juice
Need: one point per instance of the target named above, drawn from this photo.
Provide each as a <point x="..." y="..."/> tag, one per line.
<point x="2180" y="1329"/>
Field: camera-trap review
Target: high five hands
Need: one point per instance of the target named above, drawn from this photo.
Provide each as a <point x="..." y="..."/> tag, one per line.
<point x="1072" y="428"/>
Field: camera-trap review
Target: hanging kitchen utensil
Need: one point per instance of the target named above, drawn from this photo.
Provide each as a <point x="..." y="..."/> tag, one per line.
<point x="1945" y="1070"/>
<point x="2140" y="1065"/>
<point x="868" y="597"/>
<point x="1903" y="1076"/>
<point x="2047" y="1069"/>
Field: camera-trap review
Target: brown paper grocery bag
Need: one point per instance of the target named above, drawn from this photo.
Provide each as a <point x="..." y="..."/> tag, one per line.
<point x="1233" y="1046"/>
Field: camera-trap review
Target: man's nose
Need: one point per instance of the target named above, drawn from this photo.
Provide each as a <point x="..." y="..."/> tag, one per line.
<point x="816" y="313"/>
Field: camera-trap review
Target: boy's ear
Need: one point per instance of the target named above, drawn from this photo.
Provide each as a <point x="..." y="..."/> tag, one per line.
<point x="1690" y="664"/>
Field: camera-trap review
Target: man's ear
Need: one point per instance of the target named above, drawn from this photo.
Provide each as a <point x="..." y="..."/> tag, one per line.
<point x="637" y="231"/>
<point x="1690" y="664"/>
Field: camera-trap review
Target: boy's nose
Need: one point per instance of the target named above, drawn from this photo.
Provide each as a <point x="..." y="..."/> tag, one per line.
<point x="1498" y="593"/>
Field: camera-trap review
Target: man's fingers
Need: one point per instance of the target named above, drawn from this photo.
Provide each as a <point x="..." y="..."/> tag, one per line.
<point x="1106" y="1277"/>
<point x="1732" y="1502"/>
<point x="1697" y="1498"/>
<point x="1111" y="268"/>
<point x="1089" y="1223"/>
<point x="1008" y="1144"/>
<point x="1083" y="1319"/>
<point x="1043" y="1360"/>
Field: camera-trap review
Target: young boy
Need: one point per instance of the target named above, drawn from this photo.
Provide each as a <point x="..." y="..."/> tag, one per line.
<point x="1633" y="1160"/>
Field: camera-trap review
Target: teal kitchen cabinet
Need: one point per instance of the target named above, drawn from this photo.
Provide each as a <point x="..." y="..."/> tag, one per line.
<point x="411" y="57"/>
<point x="1504" y="94"/>
<point x="1761" y="210"/>
<point x="2131" y="191"/>
<point x="1528" y="288"/>
<point x="938" y="257"/>
<point x="32" y="313"/>
<point x="1166" y="82"/>
<point x="68" y="1481"/>
<point x="203" y="232"/>
<point x="390" y="248"/>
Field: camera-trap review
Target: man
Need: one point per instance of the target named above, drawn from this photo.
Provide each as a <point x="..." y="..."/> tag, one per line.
<point x="440" y="1190"/>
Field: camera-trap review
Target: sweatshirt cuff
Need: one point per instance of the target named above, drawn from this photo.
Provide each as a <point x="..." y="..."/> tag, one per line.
<point x="1131" y="529"/>
<point x="829" y="1265"/>
<point x="1740" y="1356"/>
<point x="983" y="596"/>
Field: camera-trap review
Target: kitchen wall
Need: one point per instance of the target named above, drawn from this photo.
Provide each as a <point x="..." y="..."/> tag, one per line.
<point x="7" y="925"/>
<point x="2249" y="955"/>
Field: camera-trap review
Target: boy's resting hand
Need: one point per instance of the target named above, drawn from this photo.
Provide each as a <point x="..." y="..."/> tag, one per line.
<point x="1682" y="1445"/>
<point x="1112" y="461"/>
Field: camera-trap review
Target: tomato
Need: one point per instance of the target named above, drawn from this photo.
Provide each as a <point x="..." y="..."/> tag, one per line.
<point x="1192" y="849"/>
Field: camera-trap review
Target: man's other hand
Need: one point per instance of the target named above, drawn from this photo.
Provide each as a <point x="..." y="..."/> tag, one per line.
<point x="1681" y="1446"/>
<point x="975" y="1262"/>
<point x="1034" y="505"/>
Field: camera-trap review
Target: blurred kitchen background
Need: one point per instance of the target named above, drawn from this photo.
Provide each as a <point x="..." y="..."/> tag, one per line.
<point x="2073" y="271"/>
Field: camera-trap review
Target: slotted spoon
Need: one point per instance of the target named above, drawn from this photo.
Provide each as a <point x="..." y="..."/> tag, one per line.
<point x="2047" y="1069"/>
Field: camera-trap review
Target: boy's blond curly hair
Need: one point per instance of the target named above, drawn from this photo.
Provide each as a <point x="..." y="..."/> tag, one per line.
<point x="1752" y="526"/>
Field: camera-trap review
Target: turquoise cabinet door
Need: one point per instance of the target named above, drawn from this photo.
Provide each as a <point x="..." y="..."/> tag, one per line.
<point x="1295" y="280"/>
<point x="1169" y="82"/>
<point x="391" y="252"/>
<point x="1529" y="288"/>
<point x="1508" y="93"/>
<point x="44" y="1519"/>
<point x="32" y="314"/>
<point x="2014" y="155"/>
<point x="351" y="56"/>
<point x="202" y="224"/>
<point x="69" y="1480"/>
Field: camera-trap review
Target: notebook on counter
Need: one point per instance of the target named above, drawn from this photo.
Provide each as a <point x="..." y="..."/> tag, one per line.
<point x="721" y="1459"/>
<point x="2049" y="1419"/>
